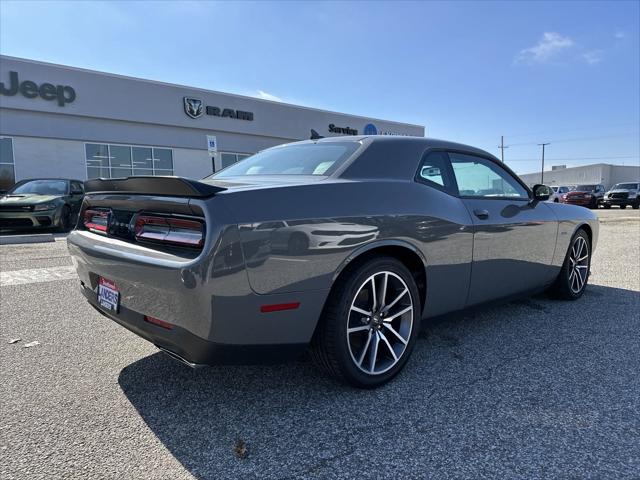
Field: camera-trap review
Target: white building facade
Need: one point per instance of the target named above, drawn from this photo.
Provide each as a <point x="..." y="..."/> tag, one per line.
<point x="599" y="173"/>
<point x="59" y="121"/>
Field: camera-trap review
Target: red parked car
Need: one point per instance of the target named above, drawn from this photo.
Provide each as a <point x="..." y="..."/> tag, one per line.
<point x="589" y="196"/>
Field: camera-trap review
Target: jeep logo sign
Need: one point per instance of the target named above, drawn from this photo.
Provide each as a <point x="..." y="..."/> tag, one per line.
<point x="194" y="108"/>
<point x="47" y="91"/>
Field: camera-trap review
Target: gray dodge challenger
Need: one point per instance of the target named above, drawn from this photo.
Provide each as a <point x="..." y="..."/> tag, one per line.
<point x="341" y="246"/>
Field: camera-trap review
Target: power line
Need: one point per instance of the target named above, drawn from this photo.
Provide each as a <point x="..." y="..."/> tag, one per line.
<point x="579" y="129"/>
<point x="571" y="159"/>
<point x="573" y="129"/>
<point x="579" y="139"/>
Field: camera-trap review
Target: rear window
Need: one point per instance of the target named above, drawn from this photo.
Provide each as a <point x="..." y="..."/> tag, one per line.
<point x="294" y="159"/>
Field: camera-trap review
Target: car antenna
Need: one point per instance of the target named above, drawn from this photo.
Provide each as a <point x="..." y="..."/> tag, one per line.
<point x="315" y="135"/>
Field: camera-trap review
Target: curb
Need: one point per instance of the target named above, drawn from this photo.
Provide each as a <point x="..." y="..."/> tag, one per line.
<point x="18" y="239"/>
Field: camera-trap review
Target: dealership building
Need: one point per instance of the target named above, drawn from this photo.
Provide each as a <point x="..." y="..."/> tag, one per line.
<point x="596" y="174"/>
<point x="60" y="121"/>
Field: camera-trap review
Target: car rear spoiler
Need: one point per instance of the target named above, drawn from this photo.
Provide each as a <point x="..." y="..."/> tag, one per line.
<point x="146" y="185"/>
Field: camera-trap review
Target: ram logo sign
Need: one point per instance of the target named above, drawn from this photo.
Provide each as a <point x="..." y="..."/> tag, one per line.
<point x="193" y="107"/>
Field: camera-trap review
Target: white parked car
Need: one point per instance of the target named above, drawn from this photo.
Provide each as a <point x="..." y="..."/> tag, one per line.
<point x="558" y="191"/>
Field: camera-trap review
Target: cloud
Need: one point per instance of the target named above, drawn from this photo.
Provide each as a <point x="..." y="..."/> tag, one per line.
<point x="548" y="47"/>
<point x="593" y="56"/>
<point x="619" y="34"/>
<point x="267" y="96"/>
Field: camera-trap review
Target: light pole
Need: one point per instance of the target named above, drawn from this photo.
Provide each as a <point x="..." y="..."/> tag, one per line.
<point x="542" y="170"/>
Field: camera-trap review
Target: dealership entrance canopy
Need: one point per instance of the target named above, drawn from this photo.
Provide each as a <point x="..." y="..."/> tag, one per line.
<point x="59" y="121"/>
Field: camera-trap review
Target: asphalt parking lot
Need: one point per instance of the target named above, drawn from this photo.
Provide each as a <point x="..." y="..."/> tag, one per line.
<point x="535" y="388"/>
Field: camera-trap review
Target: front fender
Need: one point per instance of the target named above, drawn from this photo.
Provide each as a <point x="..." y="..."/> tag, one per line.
<point x="570" y="219"/>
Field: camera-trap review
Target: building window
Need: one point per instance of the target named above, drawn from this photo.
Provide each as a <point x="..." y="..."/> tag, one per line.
<point x="112" y="161"/>
<point x="7" y="170"/>
<point x="142" y="161"/>
<point x="120" y="159"/>
<point x="229" y="158"/>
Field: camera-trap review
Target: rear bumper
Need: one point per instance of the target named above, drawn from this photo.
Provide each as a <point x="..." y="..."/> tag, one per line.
<point x="215" y="316"/>
<point x="191" y="349"/>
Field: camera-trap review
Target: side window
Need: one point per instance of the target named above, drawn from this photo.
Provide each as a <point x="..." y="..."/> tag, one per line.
<point x="75" y="186"/>
<point x="479" y="177"/>
<point x="434" y="171"/>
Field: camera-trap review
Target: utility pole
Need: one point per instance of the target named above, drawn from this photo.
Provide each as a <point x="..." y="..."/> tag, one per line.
<point x="542" y="170"/>
<point x="502" y="147"/>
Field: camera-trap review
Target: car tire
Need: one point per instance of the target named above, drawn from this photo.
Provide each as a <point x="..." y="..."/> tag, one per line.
<point x="636" y="205"/>
<point x="606" y="206"/>
<point x="623" y="206"/>
<point x="64" y="224"/>
<point x="556" y="201"/>
<point x="354" y="324"/>
<point x="574" y="274"/>
<point x="298" y="244"/>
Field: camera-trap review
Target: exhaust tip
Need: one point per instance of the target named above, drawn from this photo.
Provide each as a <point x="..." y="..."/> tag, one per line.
<point x="180" y="359"/>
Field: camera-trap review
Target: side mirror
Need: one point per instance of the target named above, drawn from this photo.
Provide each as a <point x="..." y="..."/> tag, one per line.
<point x="541" y="193"/>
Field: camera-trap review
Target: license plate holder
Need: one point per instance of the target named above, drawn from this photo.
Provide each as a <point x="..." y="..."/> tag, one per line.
<point x="108" y="295"/>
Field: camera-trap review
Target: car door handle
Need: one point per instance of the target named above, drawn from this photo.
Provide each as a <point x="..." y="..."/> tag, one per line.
<point x="481" y="213"/>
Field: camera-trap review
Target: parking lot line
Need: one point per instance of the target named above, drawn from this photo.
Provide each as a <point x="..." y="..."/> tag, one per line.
<point x="37" y="275"/>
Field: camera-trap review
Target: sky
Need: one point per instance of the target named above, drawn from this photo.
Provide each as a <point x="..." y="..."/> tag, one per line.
<point x="567" y="73"/>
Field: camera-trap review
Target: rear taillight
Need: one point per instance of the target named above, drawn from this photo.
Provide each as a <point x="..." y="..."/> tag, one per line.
<point x="174" y="231"/>
<point x="96" y="220"/>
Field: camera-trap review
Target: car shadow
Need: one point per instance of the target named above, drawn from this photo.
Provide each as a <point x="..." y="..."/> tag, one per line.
<point x="473" y="380"/>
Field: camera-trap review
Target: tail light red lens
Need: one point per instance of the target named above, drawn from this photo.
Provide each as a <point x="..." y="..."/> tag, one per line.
<point x="169" y="230"/>
<point x="96" y="220"/>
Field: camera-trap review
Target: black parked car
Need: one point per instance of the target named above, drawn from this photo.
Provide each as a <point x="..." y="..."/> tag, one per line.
<point x="623" y="194"/>
<point x="41" y="203"/>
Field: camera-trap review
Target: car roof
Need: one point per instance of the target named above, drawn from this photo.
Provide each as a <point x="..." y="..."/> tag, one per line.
<point x="404" y="139"/>
<point x="52" y="178"/>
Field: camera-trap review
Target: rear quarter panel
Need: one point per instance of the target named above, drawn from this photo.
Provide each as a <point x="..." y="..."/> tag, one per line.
<point x="396" y="212"/>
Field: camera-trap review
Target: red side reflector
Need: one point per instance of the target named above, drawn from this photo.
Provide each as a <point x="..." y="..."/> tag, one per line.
<point x="277" y="307"/>
<point x="158" y="322"/>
